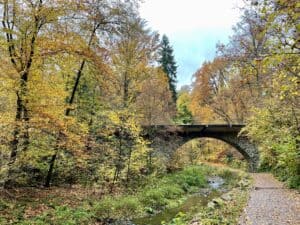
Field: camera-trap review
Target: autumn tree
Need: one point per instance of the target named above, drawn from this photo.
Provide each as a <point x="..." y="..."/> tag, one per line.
<point x="125" y="92"/>
<point x="154" y="102"/>
<point x="97" y="18"/>
<point x="276" y="125"/>
<point x="24" y="28"/>
<point x="260" y="67"/>
<point x="59" y="52"/>
<point x="184" y="114"/>
<point x="213" y="90"/>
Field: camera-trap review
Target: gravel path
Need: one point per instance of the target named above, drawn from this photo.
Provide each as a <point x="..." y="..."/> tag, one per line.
<point x="271" y="203"/>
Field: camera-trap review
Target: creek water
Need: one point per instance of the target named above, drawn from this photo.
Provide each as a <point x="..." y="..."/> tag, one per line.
<point x="191" y="205"/>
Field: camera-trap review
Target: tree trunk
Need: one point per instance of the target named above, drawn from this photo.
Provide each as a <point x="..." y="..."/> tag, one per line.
<point x="71" y="101"/>
<point x="128" y="167"/>
<point x="75" y="87"/>
<point x="50" y="171"/>
<point x="21" y="119"/>
<point x="125" y="90"/>
<point x="67" y="113"/>
<point x="15" y="141"/>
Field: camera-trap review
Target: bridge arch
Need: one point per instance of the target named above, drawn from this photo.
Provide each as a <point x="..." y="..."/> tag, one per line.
<point x="226" y="133"/>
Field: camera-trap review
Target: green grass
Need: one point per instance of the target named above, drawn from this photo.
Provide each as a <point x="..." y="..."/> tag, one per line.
<point x="159" y="193"/>
<point x="61" y="215"/>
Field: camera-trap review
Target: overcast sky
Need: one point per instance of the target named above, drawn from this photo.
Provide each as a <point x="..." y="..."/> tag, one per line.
<point x="194" y="27"/>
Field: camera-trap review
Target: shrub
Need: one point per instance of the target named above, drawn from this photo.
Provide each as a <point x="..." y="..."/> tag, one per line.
<point x="154" y="198"/>
<point x="104" y="208"/>
<point x="128" y="206"/>
<point x="192" y="176"/>
<point x="3" y="205"/>
<point x="180" y="219"/>
<point x="171" y="191"/>
<point x="294" y="182"/>
<point x="61" y="215"/>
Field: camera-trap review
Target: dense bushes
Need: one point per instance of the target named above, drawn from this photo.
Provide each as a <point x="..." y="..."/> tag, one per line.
<point x="158" y="194"/>
<point x="191" y="176"/>
<point x="109" y="207"/>
<point x="279" y="142"/>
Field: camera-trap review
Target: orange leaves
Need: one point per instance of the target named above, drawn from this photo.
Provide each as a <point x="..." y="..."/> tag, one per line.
<point x="155" y="101"/>
<point x="210" y="82"/>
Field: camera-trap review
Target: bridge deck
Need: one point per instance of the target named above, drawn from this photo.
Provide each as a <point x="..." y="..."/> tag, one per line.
<point x="210" y="128"/>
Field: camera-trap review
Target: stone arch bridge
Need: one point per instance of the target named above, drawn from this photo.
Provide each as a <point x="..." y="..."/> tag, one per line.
<point x="227" y="133"/>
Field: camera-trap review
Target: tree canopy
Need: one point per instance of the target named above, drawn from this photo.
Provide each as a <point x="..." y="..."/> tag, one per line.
<point x="168" y="64"/>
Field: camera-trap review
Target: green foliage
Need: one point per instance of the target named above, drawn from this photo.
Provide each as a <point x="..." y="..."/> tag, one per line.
<point x="180" y="219"/>
<point x="155" y="198"/>
<point x="4" y="205"/>
<point x="168" y="64"/>
<point x="189" y="177"/>
<point x="226" y="213"/>
<point x="184" y="114"/>
<point x="61" y="215"/>
<point x="237" y="163"/>
<point x="121" y="207"/>
<point x="128" y="206"/>
<point x="104" y="208"/>
<point x="157" y="194"/>
<point x="171" y="191"/>
<point x="279" y="140"/>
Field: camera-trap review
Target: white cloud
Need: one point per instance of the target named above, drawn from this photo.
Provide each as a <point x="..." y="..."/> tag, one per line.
<point x="194" y="27"/>
<point x="172" y="16"/>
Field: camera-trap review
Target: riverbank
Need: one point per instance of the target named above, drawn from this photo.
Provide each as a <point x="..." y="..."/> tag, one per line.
<point x="83" y="206"/>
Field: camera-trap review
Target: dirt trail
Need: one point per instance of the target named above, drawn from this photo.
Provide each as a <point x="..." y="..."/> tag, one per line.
<point x="271" y="203"/>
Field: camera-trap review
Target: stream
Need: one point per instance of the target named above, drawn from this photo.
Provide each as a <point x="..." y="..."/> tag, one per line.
<point x="191" y="204"/>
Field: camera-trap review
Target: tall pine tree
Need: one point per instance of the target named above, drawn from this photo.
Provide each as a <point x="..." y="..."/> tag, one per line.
<point x="168" y="64"/>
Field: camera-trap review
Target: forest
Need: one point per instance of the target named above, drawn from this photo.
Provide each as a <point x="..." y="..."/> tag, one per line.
<point x="81" y="79"/>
